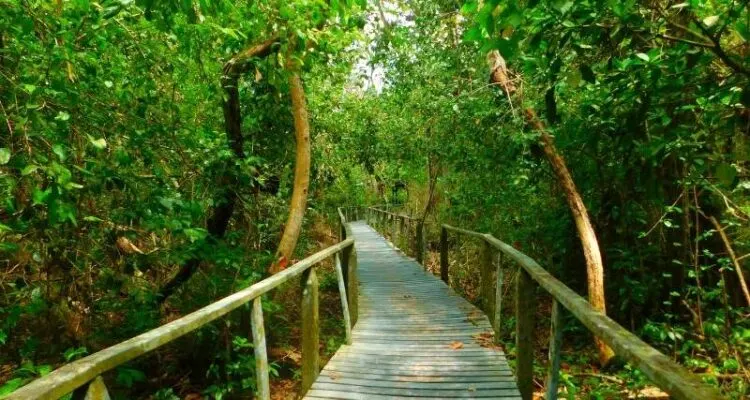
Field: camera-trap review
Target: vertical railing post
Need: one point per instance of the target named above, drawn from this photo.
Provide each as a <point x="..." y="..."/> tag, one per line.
<point x="420" y="243"/>
<point x="404" y="238"/>
<point x="525" y="312"/>
<point x="344" y="299"/>
<point x="555" y="343"/>
<point x="498" y="298"/>
<point x="310" y="332"/>
<point x="352" y="285"/>
<point x="487" y="280"/>
<point x="444" y="255"/>
<point x="259" y="345"/>
<point x="394" y="229"/>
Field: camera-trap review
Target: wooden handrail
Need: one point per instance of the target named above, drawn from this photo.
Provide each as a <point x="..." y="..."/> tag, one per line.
<point x="78" y="373"/>
<point x="665" y="373"/>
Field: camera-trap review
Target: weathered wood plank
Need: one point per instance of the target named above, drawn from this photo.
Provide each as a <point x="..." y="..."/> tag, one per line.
<point x="525" y="310"/>
<point x="553" y="372"/>
<point x="261" y="355"/>
<point x="497" y="320"/>
<point x="344" y="301"/>
<point x="444" y="262"/>
<point x="310" y="330"/>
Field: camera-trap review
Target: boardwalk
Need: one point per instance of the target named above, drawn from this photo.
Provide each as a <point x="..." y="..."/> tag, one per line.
<point x="414" y="337"/>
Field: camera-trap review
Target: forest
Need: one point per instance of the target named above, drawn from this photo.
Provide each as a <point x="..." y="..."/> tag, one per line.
<point x="159" y="155"/>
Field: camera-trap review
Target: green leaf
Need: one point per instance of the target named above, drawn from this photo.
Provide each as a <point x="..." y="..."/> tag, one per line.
<point x="100" y="143"/>
<point x="11" y="386"/>
<point x="128" y="376"/>
<point x="726" y="173"/>
<point x="59" y="151"/>
<point x="643" y="56"/>
<point x="4" y="155"/>
<point x="62" y="116"/>
<point x="29" y="169"/>
<point x="711" y="21"/>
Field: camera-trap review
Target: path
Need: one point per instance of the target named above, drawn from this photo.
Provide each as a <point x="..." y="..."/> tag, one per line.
<point x="415" y="337"/>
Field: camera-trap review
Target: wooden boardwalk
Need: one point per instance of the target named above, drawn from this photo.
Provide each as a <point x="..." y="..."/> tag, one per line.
<point x="415" y="337"/>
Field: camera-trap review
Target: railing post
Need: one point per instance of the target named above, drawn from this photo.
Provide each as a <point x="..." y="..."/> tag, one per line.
<point x="444" y="255"/>
<point x="344" y="300"/>
<point x="310" y="324"/>
<point x="525" y="312"/>
<point x="498" y="298"/>
<point x="394" y="229"/>
<point x="352" y="285"/>
<point x="555" y="343"/>
<point x="487" y="280"/>
<point x="420" y="243"/>
<point x="259" y="345"/>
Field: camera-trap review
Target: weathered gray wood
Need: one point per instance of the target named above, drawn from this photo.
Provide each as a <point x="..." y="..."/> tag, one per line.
<point x="261" y="355"/>
<point x="665" y="373"/>
<point x="70" y="376"/>
<point x="353" y="286"/>
<point x="344" y="301"/>
<point x="525" y="310"/>
<point x="97" y="390"/>
<point x="420" y="241"/>
<point x="414" y="335"/>
<point x="464" y="231"/>
<point x="310" y="330"/>
<point x="497" y="321"/>
<point x="444" y="255"/>
<point x="555" y="343"/>
<point x="487" y="281"/>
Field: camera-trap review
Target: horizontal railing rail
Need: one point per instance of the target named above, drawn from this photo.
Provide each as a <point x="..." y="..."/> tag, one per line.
<point x="665" y="373"/>
<point x="88" y="370"/>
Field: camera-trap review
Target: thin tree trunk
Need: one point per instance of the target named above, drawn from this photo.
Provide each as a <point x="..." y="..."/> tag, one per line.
<point x="591" y="252"/>
<point x="301" y="175"/>
<point x="733" y="257"/>
<point x="226" y="199"/>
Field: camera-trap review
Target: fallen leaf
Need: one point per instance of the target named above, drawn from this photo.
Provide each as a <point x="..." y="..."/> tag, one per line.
<point x="456" y="345"/>
<point x="126" y="246"/>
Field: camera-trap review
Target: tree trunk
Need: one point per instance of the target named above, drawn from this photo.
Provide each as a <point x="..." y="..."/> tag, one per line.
<point x="217" y="223"/>
<point x="301" y="175"/>
<point x="591" y="252"/>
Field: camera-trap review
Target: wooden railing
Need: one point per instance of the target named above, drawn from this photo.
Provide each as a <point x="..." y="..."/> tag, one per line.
<point x="674" y="379"/>
<point x="404" y="231"/>
<point x="84" y="376"/>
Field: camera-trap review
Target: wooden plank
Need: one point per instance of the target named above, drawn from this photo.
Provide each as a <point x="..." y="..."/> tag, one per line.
<point x="493" y="376"/>
<point x="525" y="311"/>
<point x="334" y="395"/>
<point x="344" y="301"/>
<point x="310" y="330"/>
<point x="70" y="376"/>
<point x="334" y="390"/>
<point x="261" y="355"/>
<point x="555" y="343"/>
<point x="370" y="382"/>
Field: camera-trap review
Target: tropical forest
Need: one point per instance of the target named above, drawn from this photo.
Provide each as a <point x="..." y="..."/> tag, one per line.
<point x="374" y="199"/>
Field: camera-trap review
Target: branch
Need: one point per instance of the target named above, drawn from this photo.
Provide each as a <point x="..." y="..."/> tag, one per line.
<point x="719" y="51"/>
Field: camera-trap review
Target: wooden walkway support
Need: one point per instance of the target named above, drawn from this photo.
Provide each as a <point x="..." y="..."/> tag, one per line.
<point x="414" y="337"/>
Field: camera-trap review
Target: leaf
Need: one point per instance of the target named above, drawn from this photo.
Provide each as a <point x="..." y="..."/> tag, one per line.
<point x="456" y="345"/>
<point x="29" y="169"/>
<point x="100" y="143"/>
<point x="11" y="386"/>
<point x="4" y="155"/>
<point x="710" y="21"/>
<point x="59" y="151"/>
<point x="726" y="173"/>
<point x="62" y="116"/>
<point x="643" y="56"/>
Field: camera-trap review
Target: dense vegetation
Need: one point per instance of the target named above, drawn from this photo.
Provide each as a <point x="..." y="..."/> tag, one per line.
<point x="129" y="198"/>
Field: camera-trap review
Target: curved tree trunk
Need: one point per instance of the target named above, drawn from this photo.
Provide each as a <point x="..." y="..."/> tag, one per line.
<point x="591" y="252"/>
<point x="301" y="175"/>
<point x="226" y="199"/>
